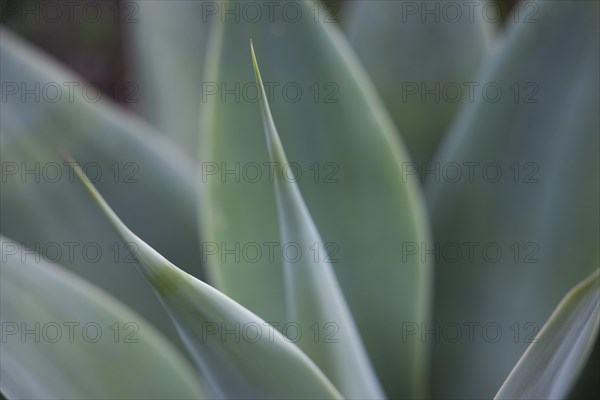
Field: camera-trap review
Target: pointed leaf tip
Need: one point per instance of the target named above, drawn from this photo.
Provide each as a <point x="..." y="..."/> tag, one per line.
<point x="227" y="368"/>
<point x="315" y="280"/>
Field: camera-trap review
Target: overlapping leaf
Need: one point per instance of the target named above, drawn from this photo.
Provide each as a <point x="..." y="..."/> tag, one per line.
<point x="238" y="354"/>
<point x="313" y="296"/>
<point x="340" y="139"/>
<point x="551" y="365"/>
<point x="45" y="108"/>
<point x="169" y="40"/>
<point x="63" y="338"/>
<point x="422" y="57"/>
<point x="526" y="218"/>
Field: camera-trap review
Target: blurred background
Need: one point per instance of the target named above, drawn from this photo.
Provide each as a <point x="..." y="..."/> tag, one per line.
<point x="100" y="52"/>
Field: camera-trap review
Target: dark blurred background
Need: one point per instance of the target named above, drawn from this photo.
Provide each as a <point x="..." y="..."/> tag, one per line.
<point x="92" y="47"/>
<point x="96" y="48"/>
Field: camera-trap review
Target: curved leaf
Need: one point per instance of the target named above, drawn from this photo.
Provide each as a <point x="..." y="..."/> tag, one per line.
<point x="421" y="57"/>
<point x="238" y="354"/>
<point x="528" y="211"/>
<point x="169" y="41"/>
<point x="313" y="295"/>
<point x="552" y="363"/>
<point x="339" y="137"/>
<point x="63" y="338"/>
<point x="41" y="204"/>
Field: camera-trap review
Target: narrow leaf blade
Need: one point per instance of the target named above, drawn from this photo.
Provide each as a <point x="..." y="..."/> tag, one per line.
<point x="313" y="295"/>
<point x="42" y="203"/>
<point x="65" y="338"/>
<point x="533" y="195"/>
<point x="365" y="209"/>
<point x="238" y="354"/>
<point x="552" y="363"/>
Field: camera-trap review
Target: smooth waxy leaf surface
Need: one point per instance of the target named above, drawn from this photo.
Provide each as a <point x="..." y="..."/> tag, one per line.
<point x="239" y="355"/>
<point x="313" y="296"/>
<point x="63" y="338"/>
<point x="526" y="218"/>
<point x="422" y="57"/>
<point x="338" y="136"/>
<point x="149" y="181"/>
<point x="169" y="40"/>
<point x="551" y="365"/>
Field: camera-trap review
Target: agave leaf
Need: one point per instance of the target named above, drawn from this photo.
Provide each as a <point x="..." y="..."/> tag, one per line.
<point x="46" y="210"/>
<point x="169" y="40"/>
<point x="551" y="364"/>
<point x="238" y="354"/>
<point x="364" y="210"/>
<point x="421" y="57"/>
<point x="313" y="296"/>
<point x="541" y="213"/>
<point x="64" y="338"/>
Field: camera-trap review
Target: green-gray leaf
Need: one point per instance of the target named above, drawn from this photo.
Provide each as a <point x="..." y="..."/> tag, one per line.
<point x="63" y="338"/>
<point x="169" y="41"/>
<point x="238" y="354"/>
<point x="149" y="181"/>
<point x="421" y="61"/>
<point x="348" y="151"/>
<point x="552" y="363"/>
<point x="542" y="213"/>
<point x="313" y="296"/>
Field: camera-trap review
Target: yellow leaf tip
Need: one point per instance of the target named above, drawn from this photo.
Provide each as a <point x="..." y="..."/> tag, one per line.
<point x="254" y="62"/>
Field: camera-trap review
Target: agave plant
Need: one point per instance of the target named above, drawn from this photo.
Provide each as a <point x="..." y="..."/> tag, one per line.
<point x="393" y="206"/>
